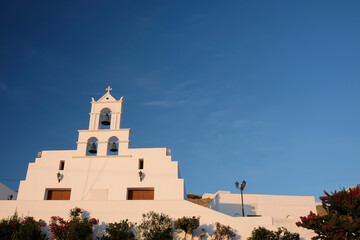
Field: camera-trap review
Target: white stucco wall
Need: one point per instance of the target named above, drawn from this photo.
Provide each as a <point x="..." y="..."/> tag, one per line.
<point x="277" y="206"/>
<point x="212" y="195"/>
<point x="112" y="174"/>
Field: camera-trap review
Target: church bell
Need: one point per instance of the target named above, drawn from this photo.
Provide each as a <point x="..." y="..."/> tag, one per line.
<point x="113" y="147"/>
<point x="106" y="120"/>
<point x="93" y="148"/>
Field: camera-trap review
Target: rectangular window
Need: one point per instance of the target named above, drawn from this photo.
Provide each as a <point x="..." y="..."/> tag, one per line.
<point x="58" y="194"/>
<point x="141" y="163"/>
<point x="62" y="165"/>
<point x="141" y="194"/>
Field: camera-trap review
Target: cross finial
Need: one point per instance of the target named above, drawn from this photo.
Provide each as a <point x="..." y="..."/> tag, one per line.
<point x="108" y="89"/>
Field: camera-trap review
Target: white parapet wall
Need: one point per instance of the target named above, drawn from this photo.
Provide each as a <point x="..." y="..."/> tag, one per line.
<point x="277" y="206"/>
<point x="114" y="211"/>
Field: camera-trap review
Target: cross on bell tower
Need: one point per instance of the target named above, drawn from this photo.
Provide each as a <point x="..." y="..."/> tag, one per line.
<point x="108" y="89"/>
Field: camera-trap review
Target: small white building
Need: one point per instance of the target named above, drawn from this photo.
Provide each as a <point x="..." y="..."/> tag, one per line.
<point x="6" y="193"/>
<point x="113" y="182"/>
<point x="279" y="207"/>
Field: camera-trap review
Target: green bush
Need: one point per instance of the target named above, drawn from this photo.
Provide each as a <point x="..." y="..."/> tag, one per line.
<point x="187" y="224"/>
<point x="9" y="226"/>
<point x="29" y="231"/>
<point x="262" y="233"/>
<point x="14" y="228"/>
<point x="80" y="230"/>
<point x="121" y="230"/>
<point x="155" y="226"/>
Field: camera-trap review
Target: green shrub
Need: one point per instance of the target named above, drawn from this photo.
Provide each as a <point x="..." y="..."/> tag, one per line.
<point x="121" y="230"/>
<point x="9" y="226"/>
<point x="283" y="234"/>
<point x="262" y="233"/>
<point x="155" y="226"/>
<point x="29" y="230"/>
<point x="187" y="224"/>
<point x="14" y="228"/>
<point x="80" y="230"/>
<point x="223" y="232"/>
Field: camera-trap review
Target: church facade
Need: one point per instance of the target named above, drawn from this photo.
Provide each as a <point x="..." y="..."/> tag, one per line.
<point x="103" y="167"/>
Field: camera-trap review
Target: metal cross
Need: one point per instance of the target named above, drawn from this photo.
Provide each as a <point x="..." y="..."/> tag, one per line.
<point x="108" y="89"/>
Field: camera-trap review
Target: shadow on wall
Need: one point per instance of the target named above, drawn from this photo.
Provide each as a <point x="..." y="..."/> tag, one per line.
<point x="99" y="230"/>
<point x="235" y="209"/>
<point x="210" y="230"/>
<point x="208" y="234"/>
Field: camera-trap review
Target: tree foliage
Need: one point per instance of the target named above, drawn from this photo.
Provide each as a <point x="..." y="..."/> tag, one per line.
<point x="223" y="232"/>
<point x="155" y="226"/>
<point x="16" y="228"/>
<point x="120" y="230"/>
<point x="262" y="233"/>
<point x="187" y="224"/>
<point x="9" y="226"/>
<point x="30" y="229"/>
<point x="342" y="220"/>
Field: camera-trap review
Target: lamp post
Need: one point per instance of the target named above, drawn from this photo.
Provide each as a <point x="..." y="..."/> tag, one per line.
<point x="242" y="186"/>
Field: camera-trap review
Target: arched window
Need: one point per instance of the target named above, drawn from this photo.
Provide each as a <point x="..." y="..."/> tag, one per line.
<point x="92" y="147"/>
<point x="113" y="146"/>
<point x="105" y="119"/>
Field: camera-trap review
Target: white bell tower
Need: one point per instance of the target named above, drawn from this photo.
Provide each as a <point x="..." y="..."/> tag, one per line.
<point x="104" y="136"/>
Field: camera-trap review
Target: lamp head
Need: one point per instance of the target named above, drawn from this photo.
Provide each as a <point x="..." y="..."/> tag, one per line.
<point x="243" y="184"/>
<point x="237" y="184"/>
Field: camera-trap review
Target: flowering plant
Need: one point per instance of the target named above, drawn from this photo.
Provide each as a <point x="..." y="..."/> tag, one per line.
<point x="342" y="220"/>
<point x="58" y="226"/>
<point x="62" y="229"/>
<point x="76" y="212"/>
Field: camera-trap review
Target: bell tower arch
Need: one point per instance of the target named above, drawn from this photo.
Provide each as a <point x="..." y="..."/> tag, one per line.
<point x="107" y="111"/>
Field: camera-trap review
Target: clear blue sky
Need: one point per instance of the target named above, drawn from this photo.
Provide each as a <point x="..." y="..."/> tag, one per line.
<point x="266" y="91"/>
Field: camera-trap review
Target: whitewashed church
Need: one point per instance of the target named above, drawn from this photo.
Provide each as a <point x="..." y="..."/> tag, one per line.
<point x="113" y="182"/>
<point x="103" y="167"/>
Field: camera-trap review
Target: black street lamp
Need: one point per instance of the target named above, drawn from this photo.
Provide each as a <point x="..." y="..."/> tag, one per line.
<point x="242" y="186"/>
